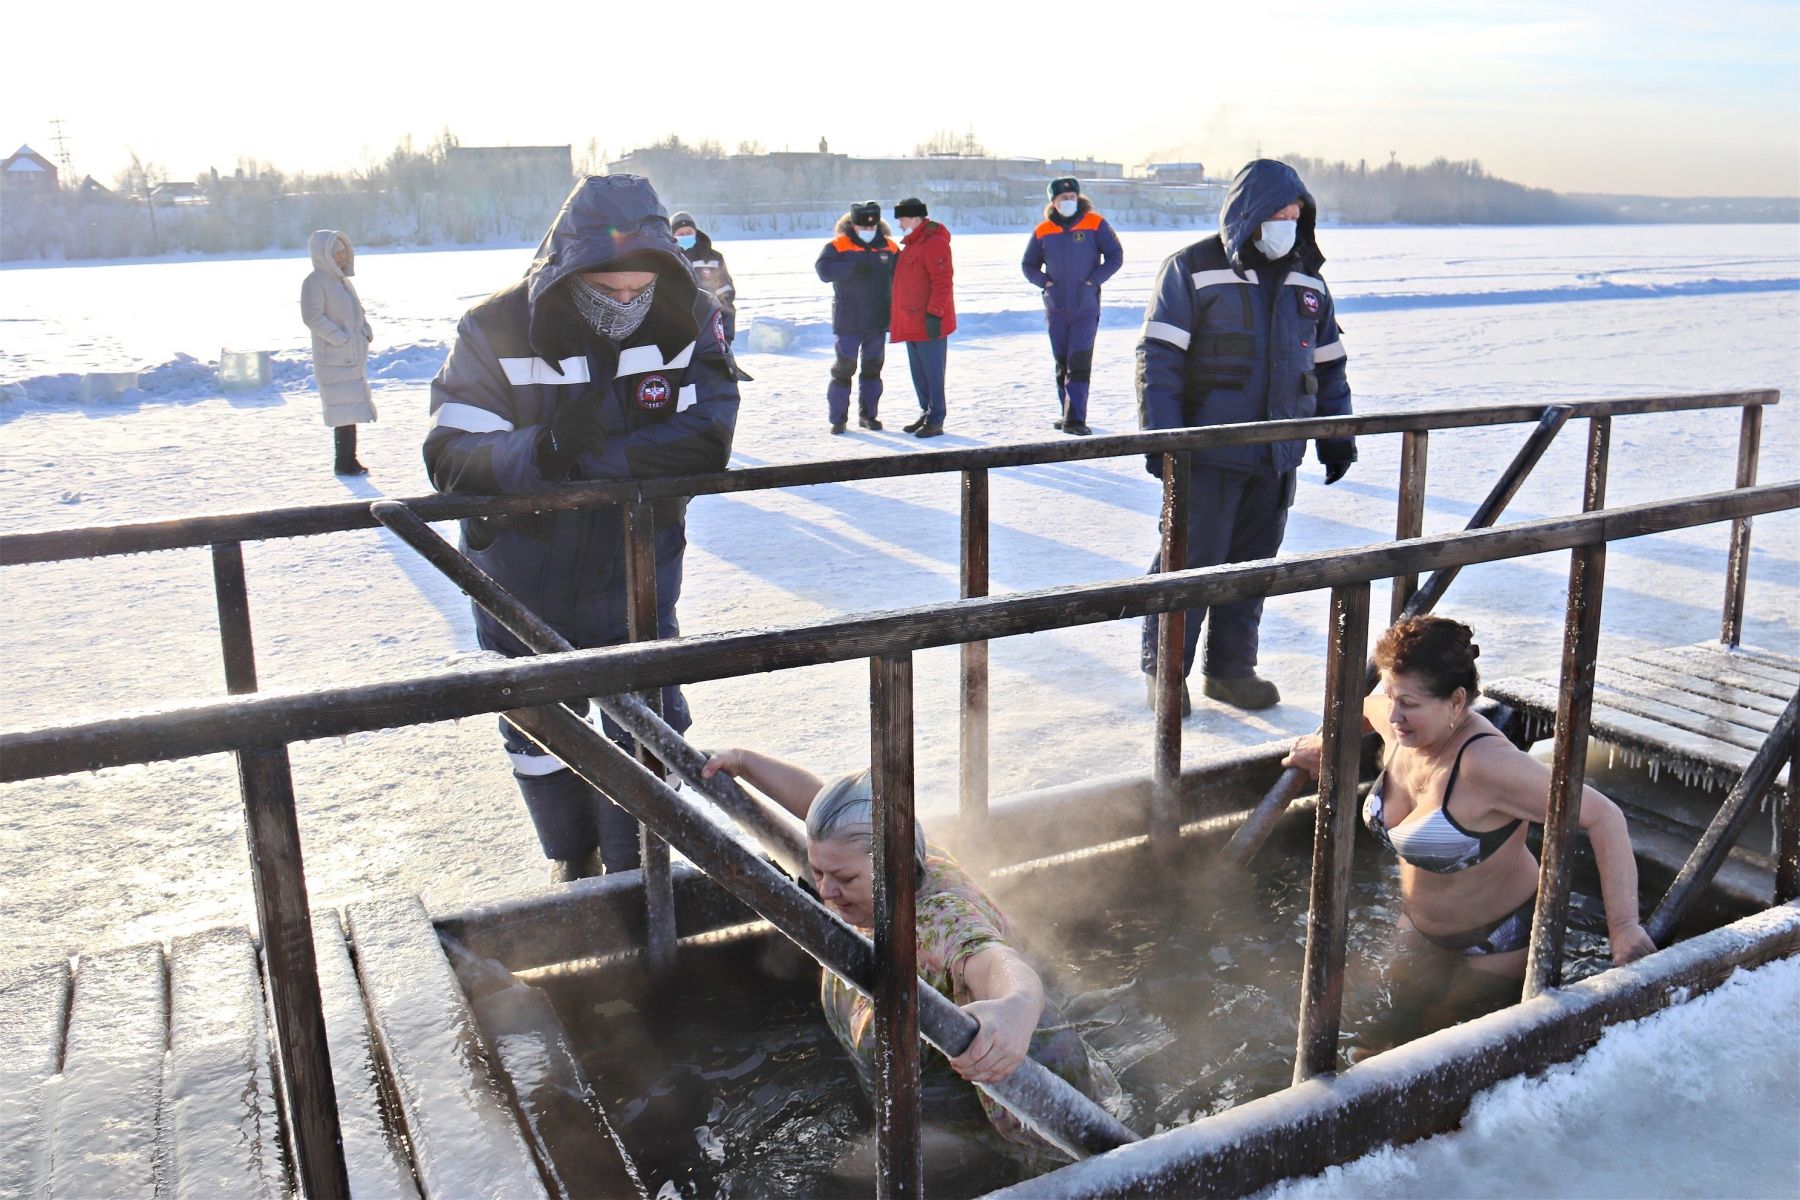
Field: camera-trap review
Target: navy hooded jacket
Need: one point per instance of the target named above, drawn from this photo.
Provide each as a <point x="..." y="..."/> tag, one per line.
<point x="667" y="397"/>
<point x="1230" y="337"/>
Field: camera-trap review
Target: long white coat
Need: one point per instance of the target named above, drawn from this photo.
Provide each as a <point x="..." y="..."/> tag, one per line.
<point x="340" y="333"/>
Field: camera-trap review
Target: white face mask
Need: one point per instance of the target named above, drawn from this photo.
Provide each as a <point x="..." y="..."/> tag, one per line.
<point x="1067" y="207"/>
<point x="867" y="235"/>
<point x="908" y="224"/>
<point x="1277" y="240"/>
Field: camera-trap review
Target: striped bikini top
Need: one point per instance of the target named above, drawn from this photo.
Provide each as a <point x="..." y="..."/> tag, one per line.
<point x="1435" y="842"/>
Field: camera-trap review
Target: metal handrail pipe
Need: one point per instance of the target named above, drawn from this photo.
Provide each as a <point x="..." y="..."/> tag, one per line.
<point x="54" y="545"/>
<point x="272" y="718"/>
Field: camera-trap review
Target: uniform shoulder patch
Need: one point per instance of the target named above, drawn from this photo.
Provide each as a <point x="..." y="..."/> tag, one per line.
<point x="1310" y="302"/>
<point x="718" y="328"/>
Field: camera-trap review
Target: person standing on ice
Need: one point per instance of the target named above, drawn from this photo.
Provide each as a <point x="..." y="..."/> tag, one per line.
<point x="1241" y="328"/>
<point x="924" y="313"/>
<point x="710" y="271"/>
<point x="1071" y="253"/>
<point x="605" y="361"/>
<point x="340" y="343"/>
<point x="859" y="265"/>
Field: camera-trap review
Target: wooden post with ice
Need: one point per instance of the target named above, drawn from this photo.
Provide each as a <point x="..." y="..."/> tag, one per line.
<point x="1737" y="571"/>
<point x="1165" y="785"/>
<point x="1574" y="712"/>
<point x="973" y="735"/>
<point x="899" y="1154"/>
<point x="283" y="916"/>
<point x="1334" y="834"/>
<point x="640" y="583"/>
<point x="1409" y="521"/>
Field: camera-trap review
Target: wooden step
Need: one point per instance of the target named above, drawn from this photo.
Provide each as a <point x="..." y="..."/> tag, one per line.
<point x="374" y="1152"/>
<point x="220" y="1125"/>
<point x="1734" y="669"/>
<point x="103" y="1130"/>
<point x="465" y="1137"/>
<point x="1708" y="690"/>
<point x="1688" y="706"/>
<point x="34" y="1010"/>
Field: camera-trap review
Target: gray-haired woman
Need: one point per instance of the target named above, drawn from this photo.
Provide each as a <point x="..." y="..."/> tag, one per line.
<point x="964" y="951"/>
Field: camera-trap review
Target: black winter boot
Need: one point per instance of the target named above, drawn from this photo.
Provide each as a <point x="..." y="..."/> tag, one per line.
<point x="345" y="438"/>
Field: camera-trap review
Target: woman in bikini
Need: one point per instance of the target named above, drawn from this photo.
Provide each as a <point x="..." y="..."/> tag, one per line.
<point x="1453" y="802"/>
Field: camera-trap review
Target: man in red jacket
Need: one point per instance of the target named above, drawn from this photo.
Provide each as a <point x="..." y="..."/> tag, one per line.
<point x="924" y="309"/>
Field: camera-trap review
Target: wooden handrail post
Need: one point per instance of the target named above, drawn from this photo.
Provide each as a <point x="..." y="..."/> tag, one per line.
<point x="973" y="737"/>
<point x="1737" y="571"/>
<point x="1410" y="520"/>
<point x="1787" y="830"/>
<point x="900" y="1162"/>
<point x="1568" y="771"/>
<point x="283" y="915"/>
<point x="653" y="852"/>
<point x="1334" y="834"/>
<point x="1165" y="785"/>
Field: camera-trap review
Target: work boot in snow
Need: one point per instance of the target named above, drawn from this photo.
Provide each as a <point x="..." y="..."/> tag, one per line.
<point x="915" y="426"/>
<point x="567" y="870"/>
<point x="1244" y="691"/>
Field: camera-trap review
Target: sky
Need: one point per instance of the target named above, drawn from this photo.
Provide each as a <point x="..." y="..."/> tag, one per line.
<point x="1649" y="97"/>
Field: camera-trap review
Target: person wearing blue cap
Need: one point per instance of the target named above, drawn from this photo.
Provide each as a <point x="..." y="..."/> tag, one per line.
<point x="1071" y="253"/>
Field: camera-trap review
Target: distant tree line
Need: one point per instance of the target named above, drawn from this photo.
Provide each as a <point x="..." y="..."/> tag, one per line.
<point x="421" y="196"/>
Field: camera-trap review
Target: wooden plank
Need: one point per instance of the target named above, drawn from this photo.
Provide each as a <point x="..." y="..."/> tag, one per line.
<point x="465" y="1137"/>
<point x="1676" y="716"/>
<point x="34" y="1010"/>
<point x="220" y="1126"/>
<point x="1740" y="672"/>
<point x="1677" y="747"/>
<point x="1786" y="674"/>
<point x="1706" y="689"/>
<point x="374" y="1154"/>
<point x="1695" y="707"/>
<point x="103" y="1133"/>
<point x="1772" y="657"/>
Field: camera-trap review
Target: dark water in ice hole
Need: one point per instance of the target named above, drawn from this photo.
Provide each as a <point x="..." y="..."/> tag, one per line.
<point x="1187" y="981"/>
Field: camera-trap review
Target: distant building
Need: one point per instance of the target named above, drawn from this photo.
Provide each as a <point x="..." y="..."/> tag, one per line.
<point x="1084" y="169"/>
<point x="513" y="169"/>
<point x="178" y="191"/>
<point x="1175" y="172"/>
<point x="27" y="170"/>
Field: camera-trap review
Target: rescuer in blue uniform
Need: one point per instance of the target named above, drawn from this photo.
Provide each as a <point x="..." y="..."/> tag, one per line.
<point x="859" y="265"/>
<point x="1071" y="253"/>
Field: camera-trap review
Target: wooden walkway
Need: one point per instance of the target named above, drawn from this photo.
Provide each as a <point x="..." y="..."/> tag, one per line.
<point x="147" y="1071"/>
<point x="1698" y="712"/>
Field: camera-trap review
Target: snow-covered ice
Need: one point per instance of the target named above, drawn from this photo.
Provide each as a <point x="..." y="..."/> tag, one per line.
<point x="1432" y="317"/>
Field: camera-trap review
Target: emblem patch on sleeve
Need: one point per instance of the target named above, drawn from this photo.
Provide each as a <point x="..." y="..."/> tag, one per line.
<point x="1310" y="302"/>
<point x="654" y="393"/>
<point x="718" y="328"/>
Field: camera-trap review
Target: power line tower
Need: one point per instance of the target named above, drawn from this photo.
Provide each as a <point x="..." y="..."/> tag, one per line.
<point x="62" y="150"/>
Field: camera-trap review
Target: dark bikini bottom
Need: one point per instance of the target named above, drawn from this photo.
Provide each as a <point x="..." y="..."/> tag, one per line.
<point x="1509" y="933"/>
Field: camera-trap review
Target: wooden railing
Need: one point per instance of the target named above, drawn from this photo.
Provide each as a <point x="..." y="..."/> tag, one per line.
<point x="257" y="729"/>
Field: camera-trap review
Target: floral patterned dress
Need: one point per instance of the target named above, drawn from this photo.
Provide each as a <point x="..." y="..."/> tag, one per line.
<point x="956" y="920"/>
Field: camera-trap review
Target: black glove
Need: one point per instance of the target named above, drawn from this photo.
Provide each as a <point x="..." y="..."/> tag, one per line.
<point x="1335" y="471"/>
<point x="575" y="427"/>
<point x="934" y="328"/>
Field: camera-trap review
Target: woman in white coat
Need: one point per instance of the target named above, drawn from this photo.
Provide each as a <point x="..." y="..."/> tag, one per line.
<point x="340" y="340"/>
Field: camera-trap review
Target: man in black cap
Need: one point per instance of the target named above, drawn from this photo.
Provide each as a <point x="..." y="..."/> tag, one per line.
<point x="924" y="309"/>
<point x="604" y="362"/>
<point x="859" y="265"/>
<point x="1071" y="253"/>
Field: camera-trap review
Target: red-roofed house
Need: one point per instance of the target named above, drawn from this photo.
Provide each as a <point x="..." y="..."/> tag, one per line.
<point x="28" y="170"/>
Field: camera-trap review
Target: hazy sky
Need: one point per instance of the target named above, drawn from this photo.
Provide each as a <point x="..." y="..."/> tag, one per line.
<point x="1671" y="98"/>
